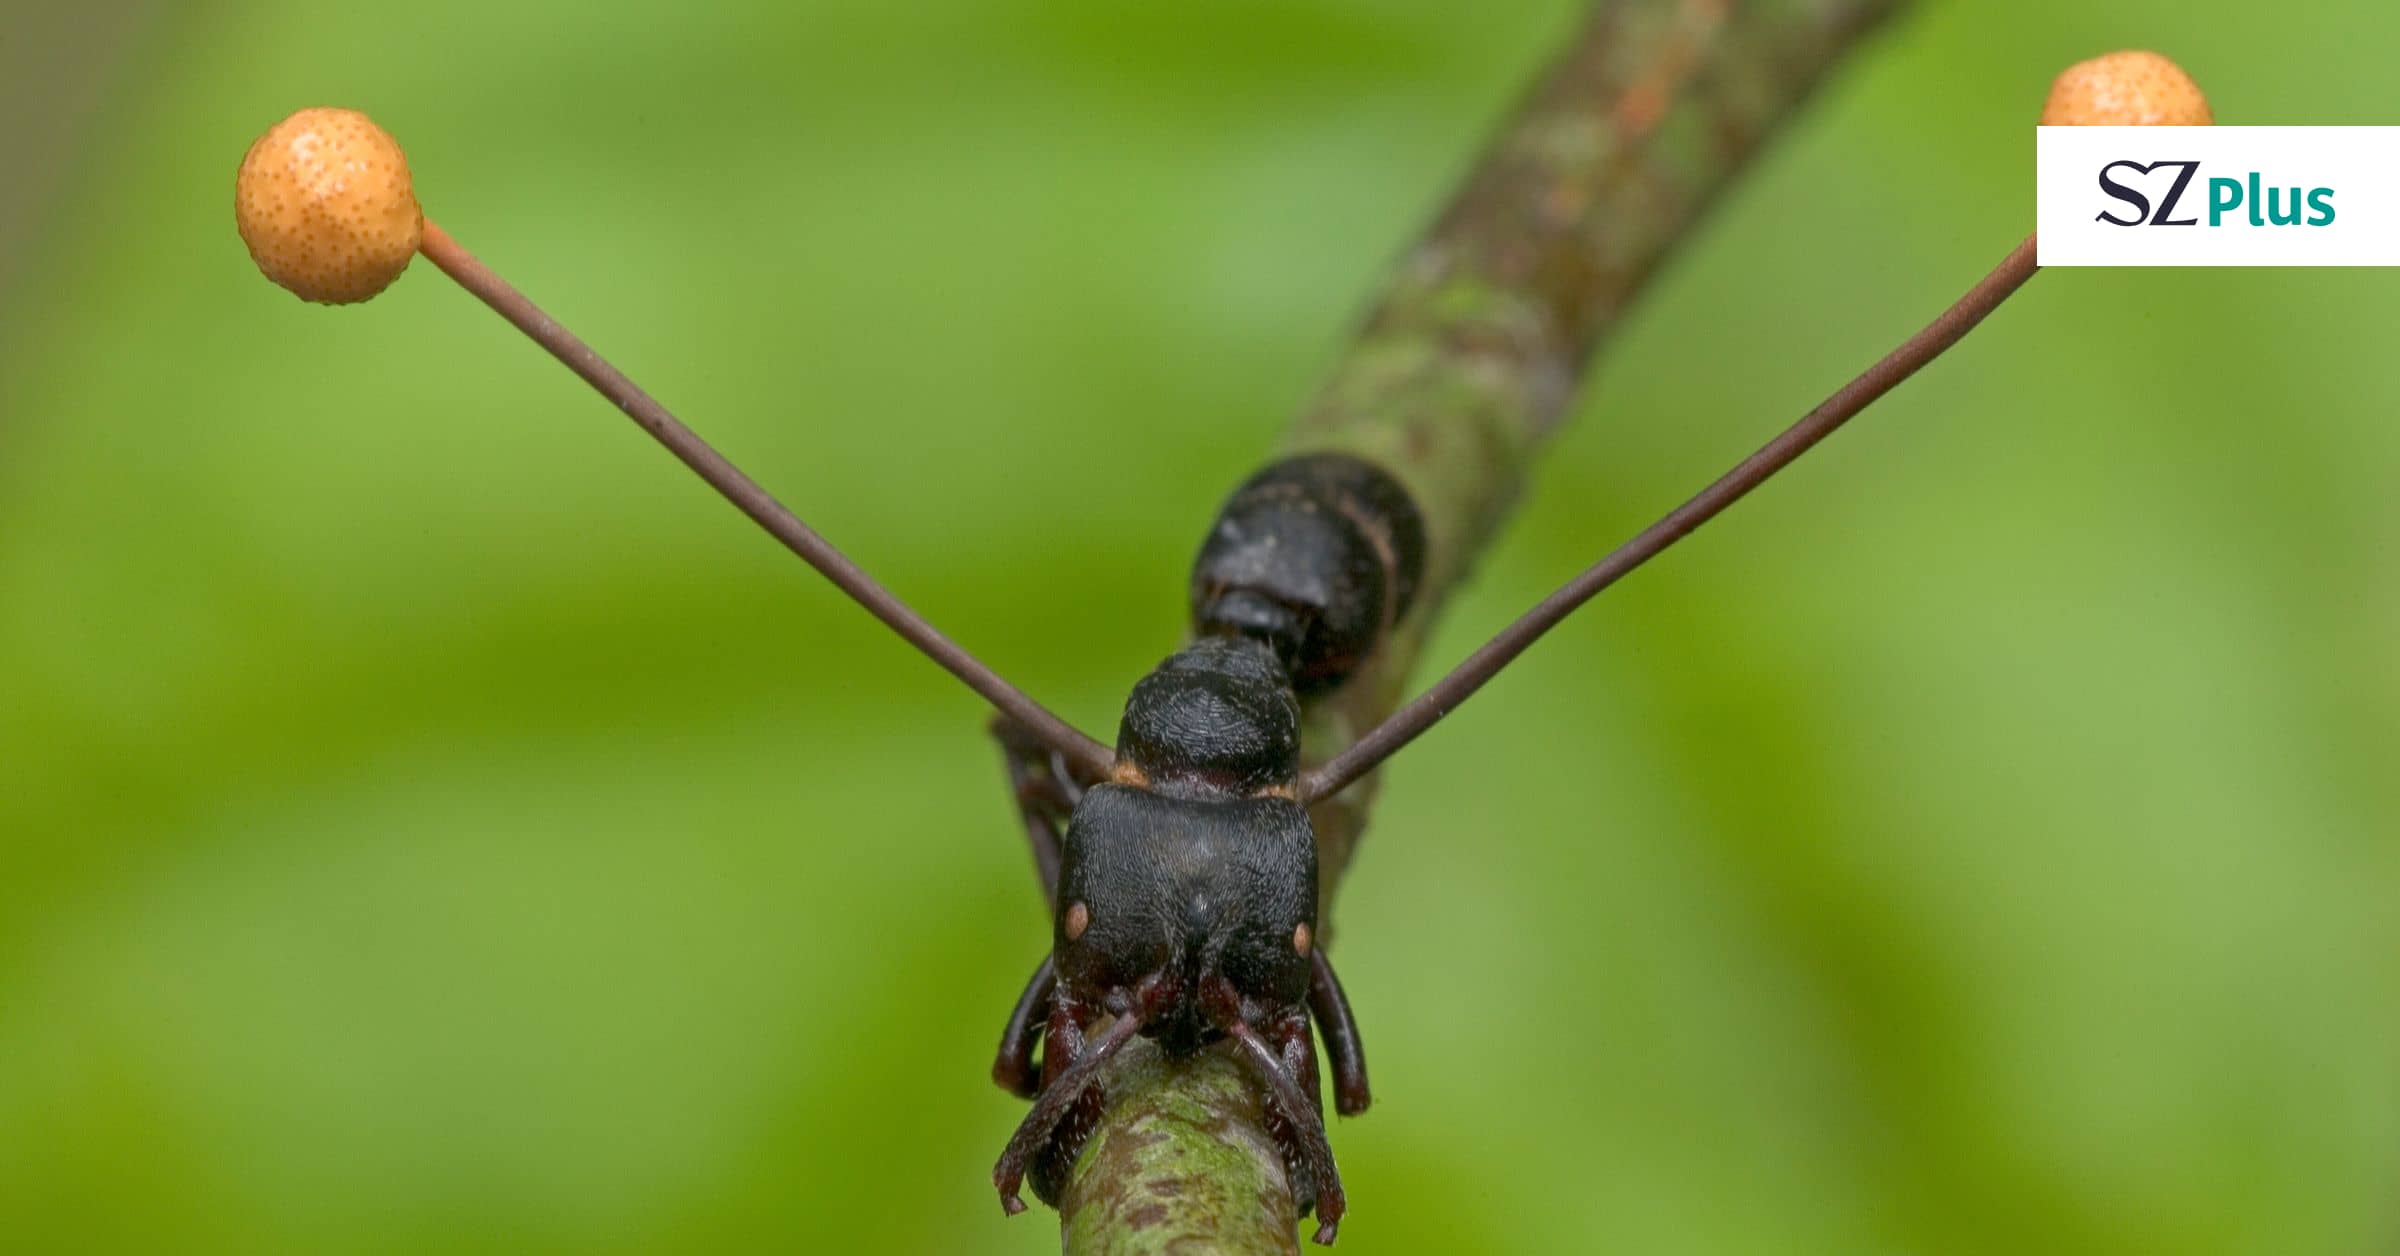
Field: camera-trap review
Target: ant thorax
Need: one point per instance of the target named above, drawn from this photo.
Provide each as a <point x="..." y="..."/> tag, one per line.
<point x="1216" y="720"/>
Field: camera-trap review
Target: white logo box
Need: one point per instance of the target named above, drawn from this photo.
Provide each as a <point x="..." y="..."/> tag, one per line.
<point x="2348" y="173"/>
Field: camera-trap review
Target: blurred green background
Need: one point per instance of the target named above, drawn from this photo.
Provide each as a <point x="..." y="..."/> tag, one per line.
<point x="430" y="821"/>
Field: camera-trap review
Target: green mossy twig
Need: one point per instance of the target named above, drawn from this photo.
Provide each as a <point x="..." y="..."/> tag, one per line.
<point x="1465" y="363"/>
<point x="1183" y="1164"/>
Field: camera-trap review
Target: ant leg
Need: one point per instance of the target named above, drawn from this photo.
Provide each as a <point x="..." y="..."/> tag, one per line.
<point x="1303" y="1132"/>
<point x="1045" y="792"/>
<point x="1040" y="1133"/>
<point x="1288" y="1034"/>
<point x="1069" y="784"/>
<point x="1013" y="1067"/>
<point x="1064" y="1044"/>
<point x="1342" y="1046"/>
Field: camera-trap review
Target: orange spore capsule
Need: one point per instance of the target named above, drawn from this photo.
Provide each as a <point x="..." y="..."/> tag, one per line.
<point x="325" y="203"/>
<point x="2126" y="89"/>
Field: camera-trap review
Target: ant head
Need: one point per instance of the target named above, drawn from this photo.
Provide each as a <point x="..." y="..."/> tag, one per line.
<point x="1216" y="718"/>
<point x="1192" y="891"/>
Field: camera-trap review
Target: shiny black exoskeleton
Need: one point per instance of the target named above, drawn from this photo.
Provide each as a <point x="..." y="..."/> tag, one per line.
<point x="1184" y="886"/>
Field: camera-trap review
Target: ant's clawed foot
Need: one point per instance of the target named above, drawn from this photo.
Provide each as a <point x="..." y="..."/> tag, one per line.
<point x="1331" y="1206"/>
<point x="1008" y="1179"/>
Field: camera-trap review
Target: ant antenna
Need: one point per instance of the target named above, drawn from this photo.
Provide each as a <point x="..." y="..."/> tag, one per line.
<point x="1409" y="722"/>
<point x="334" y="170"/>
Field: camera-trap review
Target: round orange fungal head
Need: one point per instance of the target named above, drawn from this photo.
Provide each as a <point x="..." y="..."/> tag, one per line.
<point x="325" y="204"/>
<point x="2126" y="89"/>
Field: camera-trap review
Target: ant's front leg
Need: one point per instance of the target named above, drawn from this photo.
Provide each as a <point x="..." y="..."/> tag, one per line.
<point x="1295" y="1052"/>
<point x="1295" y="1116"/>
<point x="1342" y="1046"/>
<point x="1063" y="1044"/>
<point x="1044" y="793"/>
<point x="1045" y="790"/>
<point x="1068" y="1109"/>
<point x="1012" y="1068"/>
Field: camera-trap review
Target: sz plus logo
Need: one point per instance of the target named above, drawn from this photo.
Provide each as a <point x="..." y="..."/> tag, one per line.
<point x="2280" y="207"/>
<point x="2225" y="196"/>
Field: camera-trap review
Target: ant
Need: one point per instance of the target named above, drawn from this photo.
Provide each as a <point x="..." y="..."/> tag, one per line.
<point x="1184" y="885"/>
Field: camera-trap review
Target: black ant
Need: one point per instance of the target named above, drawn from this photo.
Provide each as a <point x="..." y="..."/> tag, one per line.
<point x="1184" y="887"/>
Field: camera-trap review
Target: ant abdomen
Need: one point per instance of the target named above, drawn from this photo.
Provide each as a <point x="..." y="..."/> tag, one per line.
<point x="1318" y="556"/>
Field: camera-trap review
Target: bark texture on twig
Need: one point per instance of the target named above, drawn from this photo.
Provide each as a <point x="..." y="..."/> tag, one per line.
<point x="1465" y="362"/>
